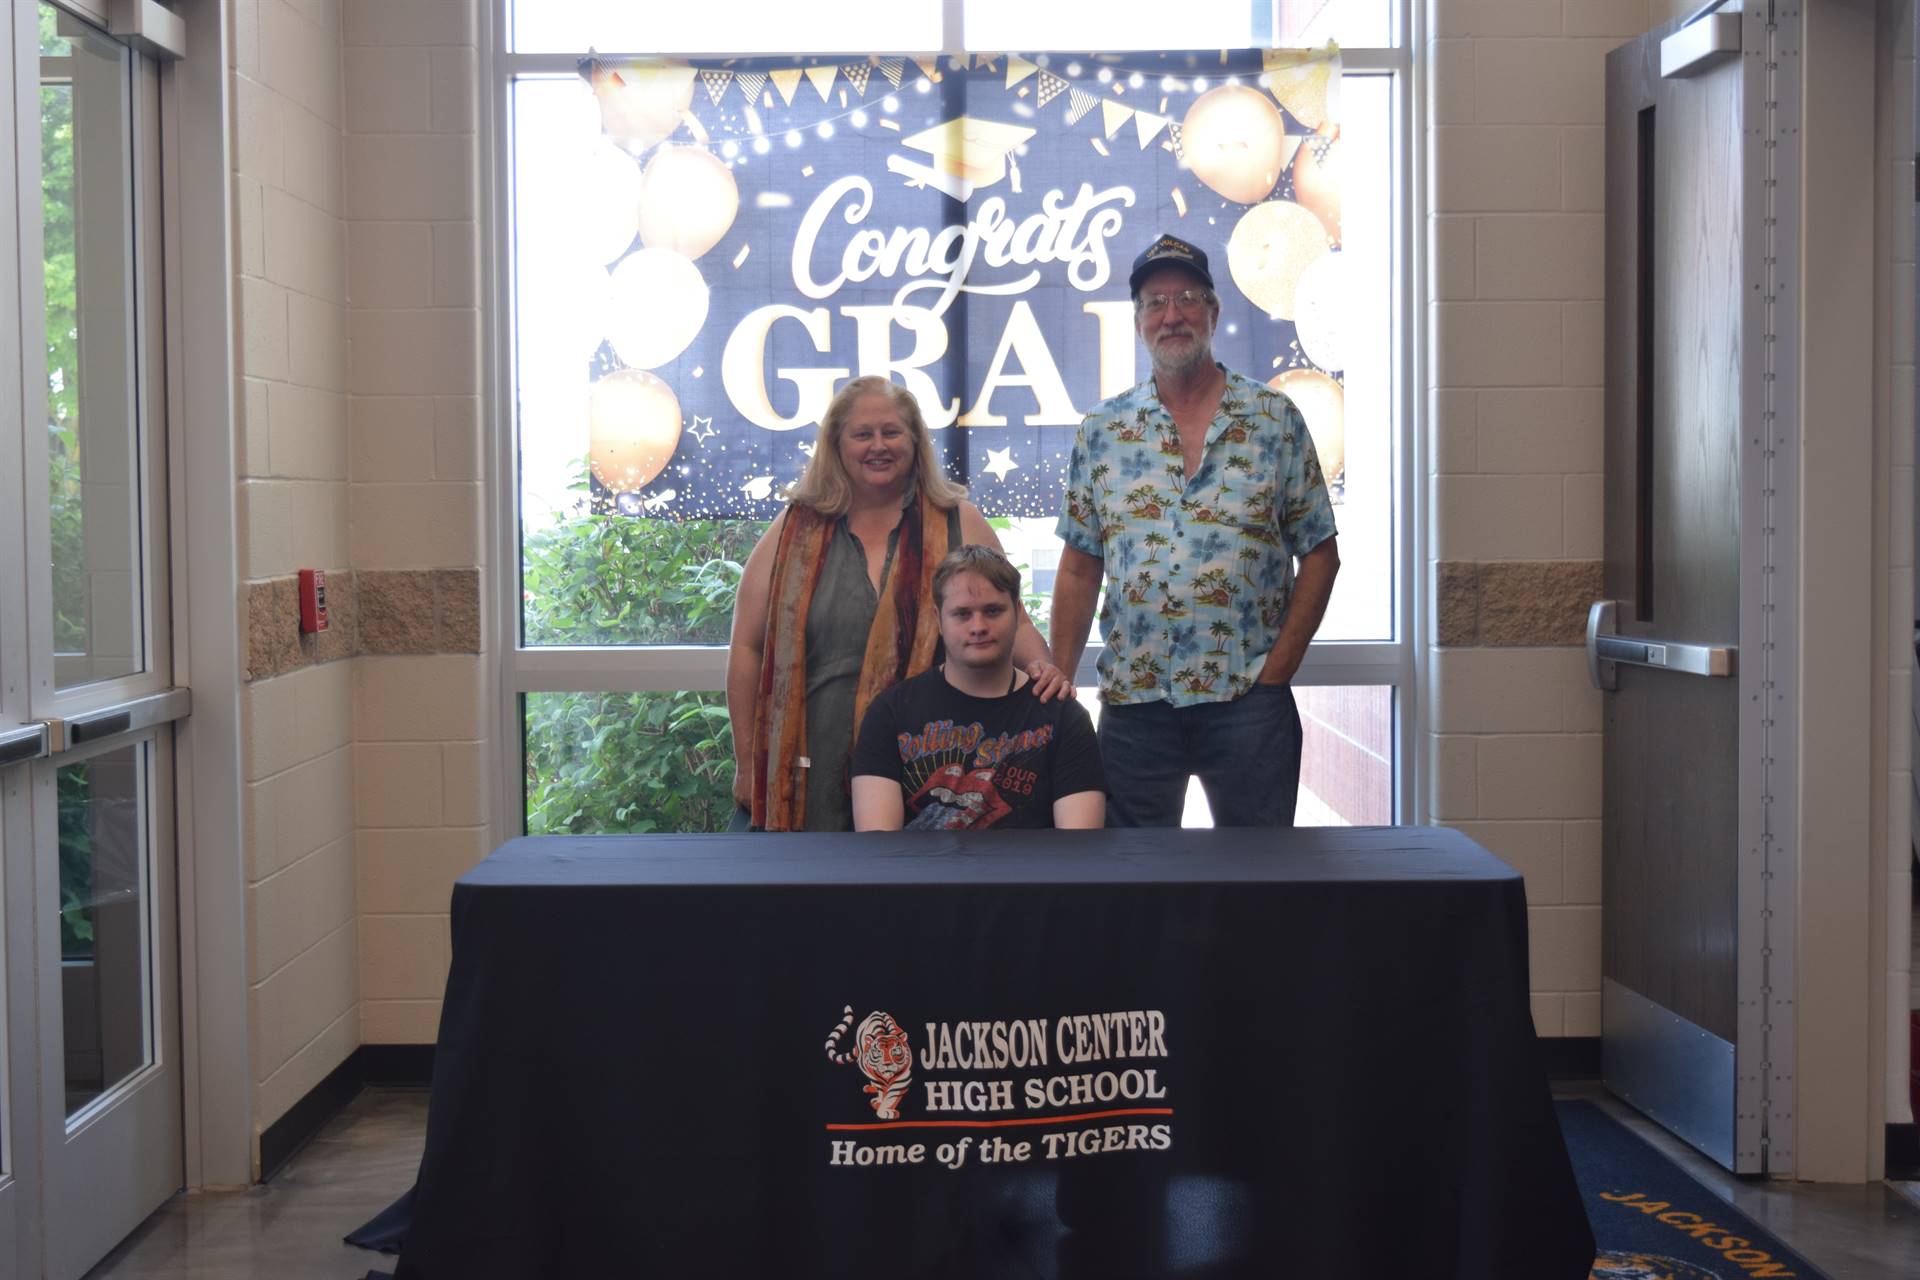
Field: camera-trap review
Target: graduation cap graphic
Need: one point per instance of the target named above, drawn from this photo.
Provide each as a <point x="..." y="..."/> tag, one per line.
<point x="967" y="153"/>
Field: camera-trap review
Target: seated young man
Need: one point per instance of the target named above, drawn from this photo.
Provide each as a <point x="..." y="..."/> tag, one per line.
<point x="966" y="744"/>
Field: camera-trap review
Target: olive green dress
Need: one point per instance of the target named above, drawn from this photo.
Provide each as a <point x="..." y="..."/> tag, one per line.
<point x="838" y="622"/>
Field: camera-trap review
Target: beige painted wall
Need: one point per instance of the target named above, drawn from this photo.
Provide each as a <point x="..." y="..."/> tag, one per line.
<point x="355" y="199"/>
<point x="289" y="207"/>
<point x="1893" y="458"/>
<point x="1838" y="1107"/>
<point x="1516" y="105"/>
<point x="420" y="765"/>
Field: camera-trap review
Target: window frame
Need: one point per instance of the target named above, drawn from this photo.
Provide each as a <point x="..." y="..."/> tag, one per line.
<point x="522" y="670"/>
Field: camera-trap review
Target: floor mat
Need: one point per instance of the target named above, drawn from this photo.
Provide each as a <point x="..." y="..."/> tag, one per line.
<point x="1654" y="1221"/>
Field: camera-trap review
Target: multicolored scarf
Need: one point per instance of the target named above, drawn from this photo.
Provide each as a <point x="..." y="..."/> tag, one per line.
<point x="906" y="628"/>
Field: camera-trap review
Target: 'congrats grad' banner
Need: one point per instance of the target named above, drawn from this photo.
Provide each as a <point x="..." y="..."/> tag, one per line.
<point x="963" y="226"/>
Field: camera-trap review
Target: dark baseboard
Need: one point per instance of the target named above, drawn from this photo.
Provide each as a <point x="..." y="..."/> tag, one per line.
<point x="1903" y="1152"/>
<point x="386" y="1065"/>
<point x="281" y="1139"/>
<point x="1571" y="1057"/>
<point x="407" y="1066"/>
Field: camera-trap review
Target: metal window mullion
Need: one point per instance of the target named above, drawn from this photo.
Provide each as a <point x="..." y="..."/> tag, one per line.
<point x="514" y="66"/>
<point x="498" y="72"/>
<point x="92" y="12"/>
<point x="704" y="667"/>
<point x="1408" y="369"/>
<point x="523" y="670"/>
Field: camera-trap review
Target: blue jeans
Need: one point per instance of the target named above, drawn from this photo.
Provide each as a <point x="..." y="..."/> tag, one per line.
<point x="1246" y="753"/>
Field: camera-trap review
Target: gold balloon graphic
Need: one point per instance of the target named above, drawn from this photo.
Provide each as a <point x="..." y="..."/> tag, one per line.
<point x="607" y="211"/>
<point x="1323" y="403"/>
<point x="1316" y="182"/>
<point x="1305" y="89"/>
<point x="641" y="103"/>
<point x="1321" y="310"/>
<point x="688" y="200"/>
<point x="1235" y="142"/>
<point x="659" y="304"/>
<point x="633" y="428"/>
<point x="1271" y="245"/>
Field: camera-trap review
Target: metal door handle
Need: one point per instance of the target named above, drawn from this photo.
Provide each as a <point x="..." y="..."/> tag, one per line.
<point x="1606" y="651"/>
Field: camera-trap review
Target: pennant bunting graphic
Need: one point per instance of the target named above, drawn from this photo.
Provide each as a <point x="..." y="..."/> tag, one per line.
<point x="1018" y="69"/>
<point x="1051" y="87"/>
<point x="821" y="78"/>
<point x="1113" y="116"/>
<point x="716" y="81"/>
<point x="751" y="83"/>
<point x="786" y="80"/>
<point x="1148" y="125"/>
<point x="930" y="67"/>
<point x="856" y="74"/>
<point x="1177" y="132"/>
<point x="893" y="69"/>
<point x="1079" y="102"/>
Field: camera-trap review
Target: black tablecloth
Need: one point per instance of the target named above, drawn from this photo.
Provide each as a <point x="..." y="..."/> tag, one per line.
<point x="1265" y="1053"/>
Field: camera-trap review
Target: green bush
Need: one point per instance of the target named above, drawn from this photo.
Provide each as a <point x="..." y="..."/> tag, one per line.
<point x="634" y="762"/>
<point x="630" y="762"/>
<point x="74" y="794"/>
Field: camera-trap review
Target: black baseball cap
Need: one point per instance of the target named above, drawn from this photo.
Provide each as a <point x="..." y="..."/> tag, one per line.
<point x="1169" y="251"/>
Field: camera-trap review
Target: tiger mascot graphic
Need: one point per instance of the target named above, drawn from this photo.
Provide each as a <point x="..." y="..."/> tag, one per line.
<point x="1614" y="1265"/>
<point x="881" y="1051"/>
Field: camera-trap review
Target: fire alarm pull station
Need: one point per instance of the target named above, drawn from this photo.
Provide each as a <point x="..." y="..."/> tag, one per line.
<point x="313" y="600"/>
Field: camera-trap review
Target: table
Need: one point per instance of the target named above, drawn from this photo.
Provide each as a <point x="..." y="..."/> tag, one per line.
<point x="1132" y="1053"/>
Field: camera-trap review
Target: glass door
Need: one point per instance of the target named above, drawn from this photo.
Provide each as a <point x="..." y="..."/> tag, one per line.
<point x="19" y="1208"/>
<point x="20" y="743"/>
<point x="91" y="1126"/>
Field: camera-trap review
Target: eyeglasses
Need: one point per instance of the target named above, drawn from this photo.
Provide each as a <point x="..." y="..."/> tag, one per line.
<point x="1188" y="299"/>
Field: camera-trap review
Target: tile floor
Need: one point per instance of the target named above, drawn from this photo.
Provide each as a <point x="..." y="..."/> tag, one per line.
<point x="290" y="1229"/>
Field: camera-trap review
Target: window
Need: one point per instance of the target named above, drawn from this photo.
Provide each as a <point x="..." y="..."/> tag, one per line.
<point x="706" y="232"/>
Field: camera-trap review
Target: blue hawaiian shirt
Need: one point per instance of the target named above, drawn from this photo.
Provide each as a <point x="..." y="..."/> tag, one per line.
<point x="1199" y="572"/>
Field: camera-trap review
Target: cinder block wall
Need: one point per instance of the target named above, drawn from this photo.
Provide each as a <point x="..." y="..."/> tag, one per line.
<point x="355" y="196"/>
<point x="289" y="211"/>
<point x="1516" y="110"/>
<point x="421" y="771"/>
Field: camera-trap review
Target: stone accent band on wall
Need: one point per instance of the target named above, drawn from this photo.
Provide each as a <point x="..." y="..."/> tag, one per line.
<point x="1514" y="603"/>
<point x="373" y="611"/>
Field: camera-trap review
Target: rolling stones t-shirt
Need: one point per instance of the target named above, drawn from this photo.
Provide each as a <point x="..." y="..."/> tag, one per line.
<point x="964" y="762"/>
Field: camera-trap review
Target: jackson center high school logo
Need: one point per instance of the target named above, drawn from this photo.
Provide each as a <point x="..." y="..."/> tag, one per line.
<point x="1044" y="1088"/>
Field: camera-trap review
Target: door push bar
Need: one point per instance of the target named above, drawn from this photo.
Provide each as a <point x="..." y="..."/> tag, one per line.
<point x="23" y="743"/>
<point x="1606" y="651"/>
<point x="39" y="739"/>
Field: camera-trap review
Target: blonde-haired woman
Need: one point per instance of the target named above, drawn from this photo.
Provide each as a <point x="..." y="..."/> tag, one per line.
<point x="836" y="604"/>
